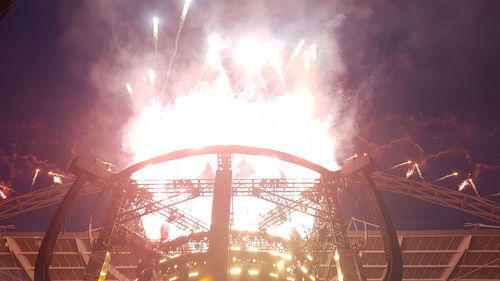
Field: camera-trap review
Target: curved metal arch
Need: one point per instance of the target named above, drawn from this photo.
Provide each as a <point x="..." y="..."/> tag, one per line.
<point x="228" y="149"/>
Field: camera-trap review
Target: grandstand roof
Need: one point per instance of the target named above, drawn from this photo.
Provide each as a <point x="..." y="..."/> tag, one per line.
<point x="465" y="255"/>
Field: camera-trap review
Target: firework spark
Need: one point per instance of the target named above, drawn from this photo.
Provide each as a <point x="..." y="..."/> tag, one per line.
<point x="254" y="119"/>
<point x="57" y="179"/>
<point x="473" y="185"/>
<point x="151" y="77"/>
<point x="182" y="19"/>
<point x="468" y="182"/>
<point x="447" y="176"/>
<point x="54" y="174"/>
<point x="4" y="191"/>
<point x="410" y="171"/>
<point x="155" y="29"/>
<point x="399" y="165"/>
<point x="462" y="185"/>
<point x="129" y="89"/>
<point x="187" y="3"/>
<point x="35" y="176"/>
<point x="419" y="172"/>
<point x="312" y="49"/>
<point x="297" y="49"/>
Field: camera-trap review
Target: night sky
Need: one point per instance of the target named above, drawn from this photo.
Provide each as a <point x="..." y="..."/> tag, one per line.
<point x="422" y="78"/>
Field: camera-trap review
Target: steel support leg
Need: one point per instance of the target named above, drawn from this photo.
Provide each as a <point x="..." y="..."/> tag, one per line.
<point x="219" y="230"/>
<point x="44" y="258"/>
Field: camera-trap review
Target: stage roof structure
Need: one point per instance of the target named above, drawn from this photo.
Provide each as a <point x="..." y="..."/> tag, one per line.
<point x="428" y="255"/>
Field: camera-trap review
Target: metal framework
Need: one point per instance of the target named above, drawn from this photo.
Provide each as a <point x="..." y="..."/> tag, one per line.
<point x="318" y="198"/>
<point x="480" y="207"/>
<point x="465" y="255"/>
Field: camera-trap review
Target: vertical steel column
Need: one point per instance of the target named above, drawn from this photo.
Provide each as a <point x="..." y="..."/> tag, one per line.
<point x="218" y="251"/>
<point x="46" y="251"/>
<point x="348" y="263"/>
<point x="392" y="250"/>
<point x="103" y="242"/>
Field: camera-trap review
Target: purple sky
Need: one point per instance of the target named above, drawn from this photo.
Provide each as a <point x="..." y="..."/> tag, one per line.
<point x="424" y="77"/>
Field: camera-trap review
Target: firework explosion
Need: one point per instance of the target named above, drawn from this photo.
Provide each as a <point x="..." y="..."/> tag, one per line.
<point x="249" y="90"/>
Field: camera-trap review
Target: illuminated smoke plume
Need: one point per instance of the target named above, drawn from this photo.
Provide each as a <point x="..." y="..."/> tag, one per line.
<point x="231" y="78"/>
<point x="437" y="153"/>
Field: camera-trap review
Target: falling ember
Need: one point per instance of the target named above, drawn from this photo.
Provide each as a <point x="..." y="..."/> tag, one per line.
<point x="447" y="176"/>
<point x="37" y="171"/>
<point x="129" y="89"/>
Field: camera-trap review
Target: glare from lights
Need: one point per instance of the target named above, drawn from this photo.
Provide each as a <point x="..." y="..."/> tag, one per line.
<point x="193" y="274"/>
<point x="253" y="249"/>
<point x="235" y="270"/>
<point x="253" y="272"/>
<point x="274" y="253"/>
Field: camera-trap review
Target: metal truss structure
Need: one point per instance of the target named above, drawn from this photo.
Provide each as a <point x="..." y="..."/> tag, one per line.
<point x="434" y="194"/>
<point x="439" y="255"/>
<point x="317" y="197"/>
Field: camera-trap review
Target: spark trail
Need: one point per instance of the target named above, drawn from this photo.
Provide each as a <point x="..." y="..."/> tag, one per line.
<point x="297" y="50"/>
<point x="419" y="172"/>
<point x="182" y="19"/>
<point x="411" y="171"/>
<point x="447" y="176"/>
<point x="37" y="171"/>
<point x="130" y="90"/>
<point x="399" y="165"/>
<point x="468" y="182"/>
